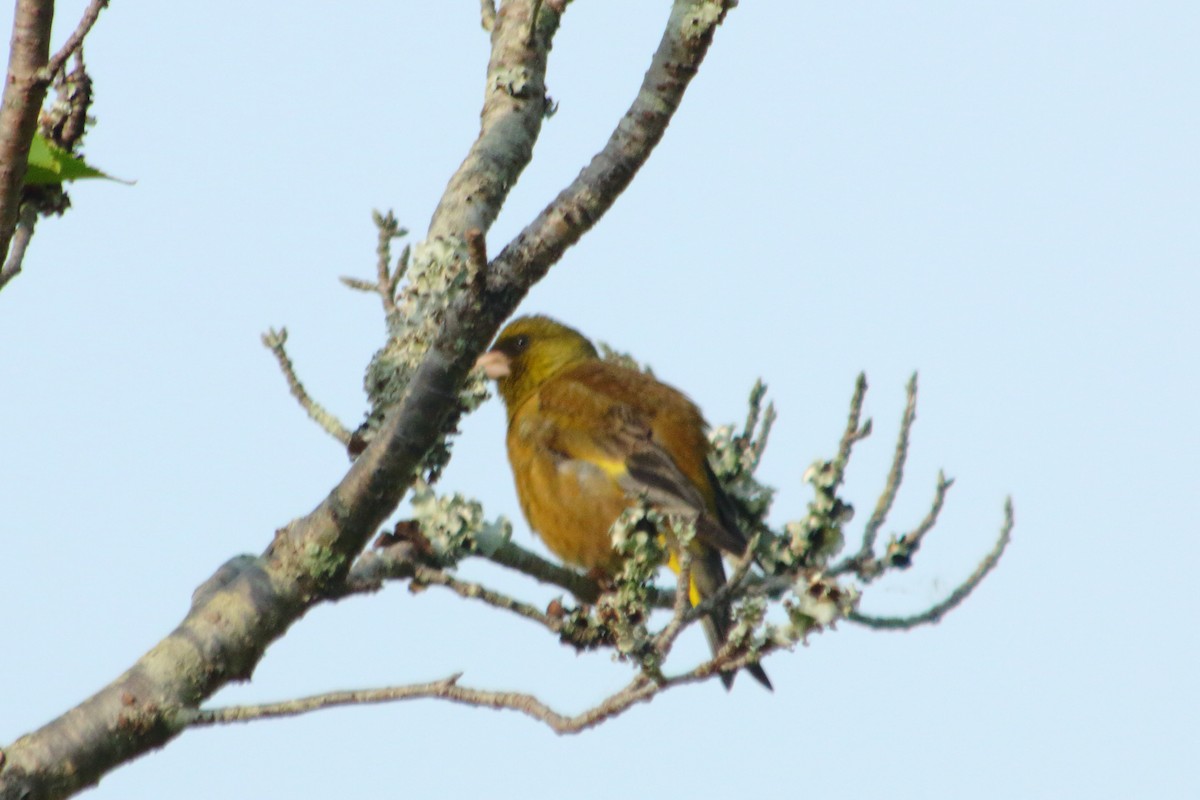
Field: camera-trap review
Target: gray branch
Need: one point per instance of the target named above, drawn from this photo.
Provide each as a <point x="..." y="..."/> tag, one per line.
<point x="24" y="93"/>
<point x="251" y="601"/>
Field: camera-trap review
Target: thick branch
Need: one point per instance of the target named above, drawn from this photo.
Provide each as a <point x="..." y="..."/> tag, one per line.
<point x="24" y="93"/>
<point x="514" y="106"/>
<point x="252" y="601"/>
<point x="577" y="208"/>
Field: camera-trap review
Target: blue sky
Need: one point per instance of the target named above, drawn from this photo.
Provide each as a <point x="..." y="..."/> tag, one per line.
<point x="1001" y="195"/>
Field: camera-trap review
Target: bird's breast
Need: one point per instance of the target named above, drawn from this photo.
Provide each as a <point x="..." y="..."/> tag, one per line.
<point x="571" y="504"/>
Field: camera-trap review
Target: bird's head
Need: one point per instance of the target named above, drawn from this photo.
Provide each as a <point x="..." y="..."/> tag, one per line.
<point x="529" y="351"/>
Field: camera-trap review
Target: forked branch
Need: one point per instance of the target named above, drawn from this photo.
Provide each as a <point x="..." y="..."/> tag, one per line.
<point x="251" y="601"/>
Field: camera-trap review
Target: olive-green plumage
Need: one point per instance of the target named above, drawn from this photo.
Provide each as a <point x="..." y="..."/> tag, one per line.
<point x="586" y="437"/>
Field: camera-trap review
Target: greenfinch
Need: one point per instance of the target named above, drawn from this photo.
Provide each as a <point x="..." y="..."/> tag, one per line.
<point x="587" y="438"/>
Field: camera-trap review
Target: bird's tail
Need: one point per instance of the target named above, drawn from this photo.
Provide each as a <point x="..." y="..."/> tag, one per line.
<point x="708" y="575"/>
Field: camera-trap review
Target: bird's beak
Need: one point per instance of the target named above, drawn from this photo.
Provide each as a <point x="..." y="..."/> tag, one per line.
<point x="494" y="363"/>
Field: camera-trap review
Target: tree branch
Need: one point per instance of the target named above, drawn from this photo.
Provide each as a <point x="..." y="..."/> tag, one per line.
<point x="854" y="432"/>
<point x="400" y="561"/>
<point x="577" y="208"/>
<point x="528" y="563"/>
<point x="895" y="474"/>
<point x="487" y="14"/>
<point x="513" y="109"/>
<point x="75" y="40"/>
<point x="900" y="550"/>
<point x="642" y="688"/>
<point x="514" y="106"/>
<point x="935" y="613"/>
<point x="639" y="690"/>
<point x="24" y="93"/>
<point x="252" y="601"/>
<point x="425" y="576"/>
<point x="445" y="689"/>
<point x="26" y="222"/>
<point x="276" y="342"/>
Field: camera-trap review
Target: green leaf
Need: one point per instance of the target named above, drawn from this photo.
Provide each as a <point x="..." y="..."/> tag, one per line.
<point x="50" y="164"/>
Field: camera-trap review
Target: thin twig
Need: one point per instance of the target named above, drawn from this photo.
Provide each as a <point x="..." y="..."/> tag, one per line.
<point x="854" y="432"/>
<point x="386" y="278"/>
<point x="518" y="558"/>
<point x="74" y="41"/>
<point x="901" y="551"/>
<point x="26" y="222"/>
<point x="400" y="268"/>
<point x="935" y="613"/>
<point x="68" y="120"/>
<point x="895" y="474"/>
<point x="741" y="565"/>
<point x="275" y="341"/>
<point x="445" y="689"/>
<point x="202" y="717"/>
<point x="388" y="229"/>
<point x="473" y="591"/>
<point x="639" y="690"/>
<point x="666" y="637"/>
<point x="739" y="581"/>
<point x="758" y="444"/>
<point x="359" y="285"/>
<point x="399" y="562"/>
<point x="757" y="393"/>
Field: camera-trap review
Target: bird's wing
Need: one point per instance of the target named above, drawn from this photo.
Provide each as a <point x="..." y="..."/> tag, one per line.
<point x="643" y="434"/>
<point x="649" y="439"/>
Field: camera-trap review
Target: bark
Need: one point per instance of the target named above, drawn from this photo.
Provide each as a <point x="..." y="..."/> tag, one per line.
<point x="251" y="601"/>
<point x="24" y="93"/>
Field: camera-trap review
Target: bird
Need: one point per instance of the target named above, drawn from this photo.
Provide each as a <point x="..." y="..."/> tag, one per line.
<point x="588" y="438"/>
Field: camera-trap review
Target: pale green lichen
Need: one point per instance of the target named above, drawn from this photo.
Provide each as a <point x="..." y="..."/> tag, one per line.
<point x="513" y="79"/>
<point x="620" y="615"/>
<point x="438" y="270"/>
<point x="624" y="610"/>
<point x="735" y="457"/>
<point x="475" y="391"/>
<point x="321" y="562"/>
<point x="455" y="525"/>
<point x="820" y="535"/>
<point x="472" y="395"/>
<point x="580" y="628"/>
<point x="815" y="603"/>
<point x="701" y="19"/>
<point x="734" y="461"/>
<point x="749" y="616"/>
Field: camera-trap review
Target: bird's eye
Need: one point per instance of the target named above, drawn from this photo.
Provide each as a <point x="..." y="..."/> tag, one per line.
<point x="520" y="343"/>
